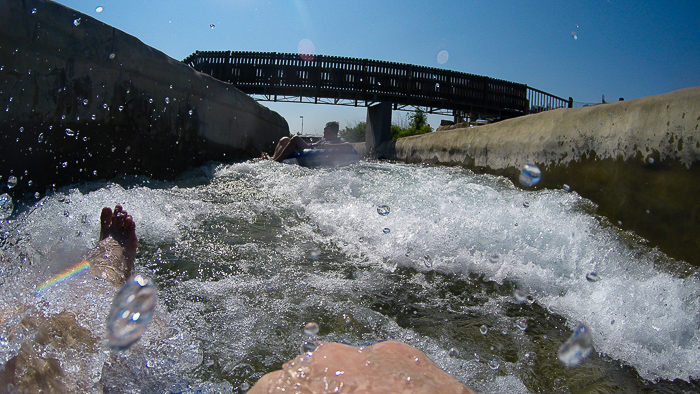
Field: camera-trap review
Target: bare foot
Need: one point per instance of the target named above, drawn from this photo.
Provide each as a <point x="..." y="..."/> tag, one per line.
<point x="115" y="252"/>
<point x="386" y="367"/>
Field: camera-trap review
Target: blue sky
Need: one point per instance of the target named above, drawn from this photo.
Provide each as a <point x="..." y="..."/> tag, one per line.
<point x="624" y="49"/>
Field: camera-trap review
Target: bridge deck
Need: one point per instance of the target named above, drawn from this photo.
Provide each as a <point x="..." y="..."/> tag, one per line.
<point x="319" y="77"/>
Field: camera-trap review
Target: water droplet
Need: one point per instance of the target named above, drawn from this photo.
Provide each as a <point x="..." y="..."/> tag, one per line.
<point x="574" y="35"/>
<point x="171" y="86"/>
<point x="85" y="102"/>
<point x="437" y="85"/>
<point x="131" y="311"/>
<point x="112" y="56"/>
<point x="315" y="253"/>
<point x="76" y="21"/>
<point x="453" y="353"/>
<point x="428" y="263"/>
<point x="33" y="10"/>
<point x="476" y="357"/>
<point x="442" y="57"/>
<point x="526" y="204"/>
<point x="495" y="258"/>
<point x="104" y="105"/>
<point x="494" y="364"/>
<point x="530" y="174"/>
<point x="566" y="187"/>
<point x="383" y="210"/>
<point x="577" y="348"/>
<point x="311" y="328"/>
<point x="520" y="296"/>
<point x="121" y="108"/>
<point x="70" y="132"/>
<point x="244" y="387"/>
<point x="30" y="182"/>
<point x="212" y="26"/>
<point x="99" y="8"/>
<point x="37" y="195"/>
<point x="167" y="100"/>
<point x="21" y="129"/>
<point x="592" y="276"/>
<point x="11" y="181"/>
<point x="308" y="346"/>
<point x="64" y="164"/>
<point x="521" y="324"/>
<point x="484" y="330"/>
<point x="338" y="373"/>
<point x="190" y="112"/>
<point x="386" y="230"/>
<point x="6" y="206"/>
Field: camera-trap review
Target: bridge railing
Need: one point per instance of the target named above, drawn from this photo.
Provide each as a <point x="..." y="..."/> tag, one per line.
<point x="319" y="76"/>
<point x="542" y="101"/>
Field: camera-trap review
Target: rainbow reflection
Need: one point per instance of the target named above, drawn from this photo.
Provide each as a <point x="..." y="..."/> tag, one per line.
<point x="65" y="274"/>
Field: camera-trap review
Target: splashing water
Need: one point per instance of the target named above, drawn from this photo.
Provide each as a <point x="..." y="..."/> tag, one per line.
<point x="229" y="246"/>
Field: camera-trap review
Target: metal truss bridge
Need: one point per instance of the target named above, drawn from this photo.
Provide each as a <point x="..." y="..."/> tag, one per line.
<point x="320" y="79"/>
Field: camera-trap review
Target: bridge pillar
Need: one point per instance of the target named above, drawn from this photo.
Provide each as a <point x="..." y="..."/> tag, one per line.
<point x="378" y="127"/>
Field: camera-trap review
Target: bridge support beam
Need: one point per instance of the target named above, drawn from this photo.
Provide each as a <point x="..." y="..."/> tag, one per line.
<point x="378" y="127"/>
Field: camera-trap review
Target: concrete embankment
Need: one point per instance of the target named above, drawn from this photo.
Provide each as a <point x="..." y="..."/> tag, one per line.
<point x="637" y="159"/>
<point x="81" y="100"/>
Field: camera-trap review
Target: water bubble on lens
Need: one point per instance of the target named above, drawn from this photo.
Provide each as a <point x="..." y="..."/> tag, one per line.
<point x="443" y="56"/>
<point x="526" y="204"/>
<point x="386" y="230"/>
<point x="112" y="56"/>
<point x="494" y="364"/>
<point x="383" y="210"/>
<point x="495" y="258"/>
<point x="315" y="253"/>
<point x="6" y="206"/>
<point x="211" y="26"/>
<point x="484" y="330"/>
<point x="452" y="353"/>
<point x="520" y="296"/>
<point x="521" y="324"/>
<point x="64" y="164"/>
<point x="40" y="138"/>
<point x="99" y="9"/>
<point x="37" y="195"/>
<point x="530" y="174"/>
<point x="577" y="348"/>
<point x="121" y="108"/>
<point x="592" y="276"/>
<point x="33" y="10"/>
<point x="308" y="347"/>
<point x="131" y="312"/>
<point x="311" y="328"/>
<point x="11" y="181"/>
<point x="566" y="187"/>
<point x="70" y="132"/>
<point x="76" y="21"/>
<point x="85" y="102"/>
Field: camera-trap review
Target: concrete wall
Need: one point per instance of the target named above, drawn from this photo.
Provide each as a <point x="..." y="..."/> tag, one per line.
<point x="637" y="159"/>
<point x="80" y="100"/>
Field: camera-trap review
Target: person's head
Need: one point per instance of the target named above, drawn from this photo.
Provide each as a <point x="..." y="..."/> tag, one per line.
<point x="331" y="130"/>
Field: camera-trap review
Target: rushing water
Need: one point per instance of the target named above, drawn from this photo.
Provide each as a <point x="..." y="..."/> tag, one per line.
<point x="486" y="278"/>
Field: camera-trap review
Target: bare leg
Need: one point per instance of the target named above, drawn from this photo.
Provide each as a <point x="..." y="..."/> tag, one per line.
<point x="288" y="145"/>
<point x="114" y="255"/>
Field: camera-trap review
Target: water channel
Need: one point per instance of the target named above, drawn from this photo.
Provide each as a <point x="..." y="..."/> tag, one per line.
<point x="486" y="277"/>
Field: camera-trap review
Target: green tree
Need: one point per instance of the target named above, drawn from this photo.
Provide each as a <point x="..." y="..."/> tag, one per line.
<point x="354" y="133"/>
<point x="417" y="124"/>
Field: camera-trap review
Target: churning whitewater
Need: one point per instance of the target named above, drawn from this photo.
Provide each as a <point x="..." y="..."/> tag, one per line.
<point x="487" y="278"/>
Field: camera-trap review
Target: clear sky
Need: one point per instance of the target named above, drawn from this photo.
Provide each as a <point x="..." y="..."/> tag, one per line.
<point x="579" y="48"/>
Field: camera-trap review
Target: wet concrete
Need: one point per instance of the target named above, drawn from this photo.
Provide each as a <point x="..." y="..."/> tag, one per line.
<point x="81" y="100"/>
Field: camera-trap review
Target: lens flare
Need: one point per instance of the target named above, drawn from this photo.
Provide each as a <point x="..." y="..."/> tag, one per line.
<point x="64" y="275"/>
